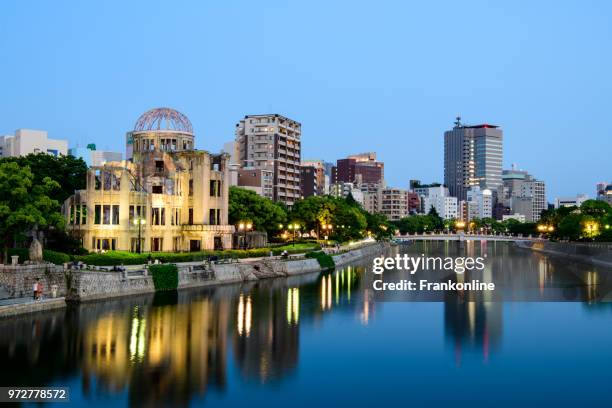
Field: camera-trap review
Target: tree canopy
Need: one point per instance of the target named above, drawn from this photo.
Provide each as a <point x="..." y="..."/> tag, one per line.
<point x="25" y="206"/>
<point x="247" y="205"/>
<point x="68" y="171"/>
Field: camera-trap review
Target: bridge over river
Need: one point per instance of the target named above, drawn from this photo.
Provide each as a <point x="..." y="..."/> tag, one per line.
<point x="463" y="237"/>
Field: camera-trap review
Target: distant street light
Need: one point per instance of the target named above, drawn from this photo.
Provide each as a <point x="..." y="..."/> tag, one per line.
<point x="294" y="228"/>
<point x="244" y="227"/>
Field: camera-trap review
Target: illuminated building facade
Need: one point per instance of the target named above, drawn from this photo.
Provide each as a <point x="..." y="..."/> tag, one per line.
<point x="166" y="196"/>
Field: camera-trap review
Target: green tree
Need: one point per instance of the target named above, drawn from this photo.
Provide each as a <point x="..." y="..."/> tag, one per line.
<point x="379" y="226"/>
<point x="595" y="208"/>
<point x="68" y="171"/>
<point x="25" y="206"/>
<point x="435" y="219"/>
<point x="570" y="226"/>
<point x="247" y="205"/>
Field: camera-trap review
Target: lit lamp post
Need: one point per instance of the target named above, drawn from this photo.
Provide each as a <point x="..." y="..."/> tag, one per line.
<point x="244" y="227"/>
<point x="544" y="229"/>
<point x="460" y="225"/>
<point x="592" y="229"/>
<point x="326" y="230"/>
<point x="140" y="221"/>
<point x="295" y="228"/>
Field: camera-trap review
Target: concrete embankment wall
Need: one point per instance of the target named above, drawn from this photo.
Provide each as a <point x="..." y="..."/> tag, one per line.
<point x="18" y="280"/>
<point x="94" y="285"/>
<point x="595" y="254"/>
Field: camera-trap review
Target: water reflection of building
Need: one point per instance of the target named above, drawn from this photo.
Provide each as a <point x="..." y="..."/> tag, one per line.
<point x="472" y="325"/>
<point x="266" y="340"/>
<point x="164" y="354"/>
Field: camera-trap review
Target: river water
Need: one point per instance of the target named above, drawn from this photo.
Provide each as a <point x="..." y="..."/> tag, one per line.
<point x="326" y="339"/>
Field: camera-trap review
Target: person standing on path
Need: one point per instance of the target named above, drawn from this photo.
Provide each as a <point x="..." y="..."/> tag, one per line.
<point x="35" y="289"/>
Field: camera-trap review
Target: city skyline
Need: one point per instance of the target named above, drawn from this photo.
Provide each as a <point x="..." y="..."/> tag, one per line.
<point x="543" y="83"/>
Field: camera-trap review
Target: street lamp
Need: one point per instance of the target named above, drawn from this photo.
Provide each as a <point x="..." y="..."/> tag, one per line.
<point x="140" y="221"/>
<point x="326" y="228"/>
<point x="294" y="228"/>
<point x="244" y="227"/>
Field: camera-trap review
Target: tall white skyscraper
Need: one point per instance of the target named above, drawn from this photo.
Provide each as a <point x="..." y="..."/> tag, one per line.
<point x="473" y="156"/>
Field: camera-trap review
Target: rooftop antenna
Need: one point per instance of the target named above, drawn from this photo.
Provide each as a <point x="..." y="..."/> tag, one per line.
<point x="458" y="121"/>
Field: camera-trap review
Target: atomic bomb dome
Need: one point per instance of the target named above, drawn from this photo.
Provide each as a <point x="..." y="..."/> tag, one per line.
<point x="163" y="119"/>
<point x="162" y="129"/>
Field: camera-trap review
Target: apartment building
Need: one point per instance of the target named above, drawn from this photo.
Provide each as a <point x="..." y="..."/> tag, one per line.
<point x="273" y="143"/>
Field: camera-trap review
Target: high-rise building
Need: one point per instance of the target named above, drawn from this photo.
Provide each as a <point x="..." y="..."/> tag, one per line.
<point x="27" y="141"/>
<point x="523" y="194"/>
<point x="273" y="143"/>
<point x="472" y="157"/>
<point x="363" y="166"/>
<point x="318" y="170"/>
<point x="309" y="181"/>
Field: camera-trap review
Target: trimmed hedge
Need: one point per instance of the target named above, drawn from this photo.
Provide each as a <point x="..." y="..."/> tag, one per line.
<point x="325" y="260"/>
<point x="55" y="257"/>
<point x="165" y="277"/>
<point x="130" y="258"/>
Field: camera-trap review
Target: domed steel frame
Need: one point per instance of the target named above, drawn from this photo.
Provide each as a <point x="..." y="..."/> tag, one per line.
<point x="163" y="119"/>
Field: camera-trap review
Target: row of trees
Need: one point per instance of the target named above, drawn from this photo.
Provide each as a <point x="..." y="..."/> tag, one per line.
<point x="432" y="222"/>
<point x="338" y="218"/>
<point x="591" y="221"/>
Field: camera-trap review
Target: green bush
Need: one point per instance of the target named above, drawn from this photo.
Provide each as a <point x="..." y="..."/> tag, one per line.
<point x="131" y="258"/>
<point x="325" y="260"/>
<point x="165" y="277"/>
<point x="55" y="257"/>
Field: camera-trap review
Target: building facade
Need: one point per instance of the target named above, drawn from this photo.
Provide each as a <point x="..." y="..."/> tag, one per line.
<point x="480" y="203"/>
<point x="359" y="168"/>
<point x="318" y="167"/>
<point x="523" y="194"/>
<point x="273" y="143"/>
<point x="343" y="190"/>
<point x="166" y="197"/>
<point x="439" y="198"/>
<point x="259" y="180"/>
<point x="27" y="141"/>
<point x="473" y="156"/>
<point x="394" y="203"/>
<point x="575" y="201"/>
<point x="93" y="157"/>
<point x="604" y="192"/>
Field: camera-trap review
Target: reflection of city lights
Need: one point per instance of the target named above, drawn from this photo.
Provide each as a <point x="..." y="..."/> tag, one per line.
<point x="323" y="295"/>
<point x="337" y="287"/>
<point x="348" y="283"/>
<point x="293" y="305"/>
<point x="592" y="282"/>
<point x="137" y="337"/>
<point x="365" y="315"/>
<point x="244" y="315"/>
<point x="329" y="291"/>
<point x="248" y="316"/>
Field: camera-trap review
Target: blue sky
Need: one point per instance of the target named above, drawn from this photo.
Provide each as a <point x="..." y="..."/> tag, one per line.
<point x="387" y="76"/>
